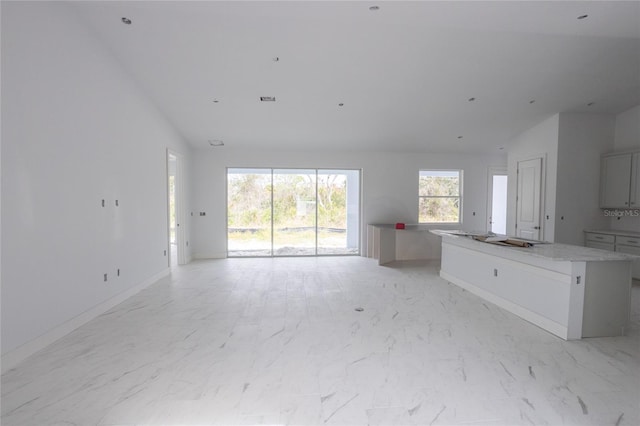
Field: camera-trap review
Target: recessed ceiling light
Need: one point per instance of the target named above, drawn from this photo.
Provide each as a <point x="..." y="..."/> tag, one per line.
<point x="126" y="20"/>
<point x="374" y="8"/>
<point x="590" y="103"/>
<point x="268" y="98"/>
<point x="583" y="16"/>
<point x="472" y="99"/>
<point x="216" y="142"/>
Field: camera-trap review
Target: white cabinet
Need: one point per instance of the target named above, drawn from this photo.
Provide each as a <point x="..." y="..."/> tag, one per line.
<point x="619" y="241"/>
<point x="630" y="245"/>
<point x="620" y="181"/>
<point x="600" y="241"/>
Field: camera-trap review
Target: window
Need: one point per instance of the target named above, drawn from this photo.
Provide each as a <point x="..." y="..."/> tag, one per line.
<point x="439" y="196"/>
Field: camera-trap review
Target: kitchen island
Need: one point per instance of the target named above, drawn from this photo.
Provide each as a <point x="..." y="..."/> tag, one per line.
<point x="570" y="291"/>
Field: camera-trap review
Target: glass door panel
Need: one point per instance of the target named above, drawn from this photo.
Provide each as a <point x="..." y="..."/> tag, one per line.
<point x="249" y="212"/>
<point x="294" y="212"/>
<point x="338" y="211"/>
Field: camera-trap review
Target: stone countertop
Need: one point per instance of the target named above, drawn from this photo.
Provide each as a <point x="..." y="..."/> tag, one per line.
<point x="542" y="250"/>
<point x="614" y="232"/>
<point x="408" y="226"/>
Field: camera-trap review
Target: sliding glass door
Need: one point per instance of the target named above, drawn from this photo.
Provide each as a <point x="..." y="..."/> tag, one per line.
<point x="338" y="211"/>
<point x="293" y="212"/>
<point x="249" y="212"/>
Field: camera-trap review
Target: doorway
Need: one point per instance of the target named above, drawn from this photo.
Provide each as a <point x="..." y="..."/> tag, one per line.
<point x="175" y="234"/>
<point x="497" y="202"/>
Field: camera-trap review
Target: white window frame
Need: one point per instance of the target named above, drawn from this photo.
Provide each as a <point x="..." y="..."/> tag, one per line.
<point x="460" y="173"/>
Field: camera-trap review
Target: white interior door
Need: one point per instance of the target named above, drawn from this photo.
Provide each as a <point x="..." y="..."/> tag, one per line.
<point x="497" y="202"/>
<point x="528" y="203"/>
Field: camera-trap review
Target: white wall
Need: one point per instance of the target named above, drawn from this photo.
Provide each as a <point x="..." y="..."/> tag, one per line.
<point x="627" y="133"/>
<point x="571" y="144"/>
<point x="76" y="130"/>
<point x="390" y="186"/>
<point x="583" y="138"/>
<point x="627" y="137"/>
<point x="540" y="140"/>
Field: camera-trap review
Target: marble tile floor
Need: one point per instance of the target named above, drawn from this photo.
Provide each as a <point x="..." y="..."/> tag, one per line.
<point x="278" y="341"/>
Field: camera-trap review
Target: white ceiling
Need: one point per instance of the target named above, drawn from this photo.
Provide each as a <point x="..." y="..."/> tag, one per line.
<point x="405" y="72"/>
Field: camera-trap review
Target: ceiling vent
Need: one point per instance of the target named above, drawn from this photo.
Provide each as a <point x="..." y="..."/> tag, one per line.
<point x="268" y="98"/>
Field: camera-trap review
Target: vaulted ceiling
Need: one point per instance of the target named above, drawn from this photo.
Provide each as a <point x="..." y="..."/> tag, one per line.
<point x="373" y="75"/>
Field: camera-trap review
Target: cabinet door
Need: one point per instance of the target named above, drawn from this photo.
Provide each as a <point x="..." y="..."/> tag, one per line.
<point x="634" y="201"/>
<point x="615" y="181"/>
<point x="601" y="246"/>
<point x="600" y="238"/>
<point x="635" y="271"/>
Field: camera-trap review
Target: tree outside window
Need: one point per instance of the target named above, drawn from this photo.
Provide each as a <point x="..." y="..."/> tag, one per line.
<point x="439" y="196"/>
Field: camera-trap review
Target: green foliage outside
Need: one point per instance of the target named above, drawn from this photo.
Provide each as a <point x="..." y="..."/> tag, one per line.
<point x="439" y="199"/>
<point x="294" y="201"/>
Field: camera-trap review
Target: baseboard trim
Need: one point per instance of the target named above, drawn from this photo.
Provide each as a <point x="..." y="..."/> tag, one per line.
<point x="527" y="315"/>
<point x="19" y="354"/>
<point x="203" y="256"/>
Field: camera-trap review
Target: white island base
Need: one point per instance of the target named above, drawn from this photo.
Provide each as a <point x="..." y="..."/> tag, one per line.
<point x="570" y="291"/>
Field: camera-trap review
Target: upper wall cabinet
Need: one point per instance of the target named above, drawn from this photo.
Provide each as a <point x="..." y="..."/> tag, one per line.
<point x="620" y="181"/>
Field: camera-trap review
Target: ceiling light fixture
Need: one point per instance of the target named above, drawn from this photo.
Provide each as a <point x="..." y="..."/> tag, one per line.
<point x="583" y="16"/>
<point x="340" y="104"/>
<point x="590" y="103"/>
<point x="267" y="98"/>
<point x="472" y="99"/>
<point x="126" y="20"/>
<point x="215" y="101"/>
<point x="374" y="8"/>
<point x="532" y="101"/>
<point x="459" y="137"/>
<point x="216" y="142"/>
